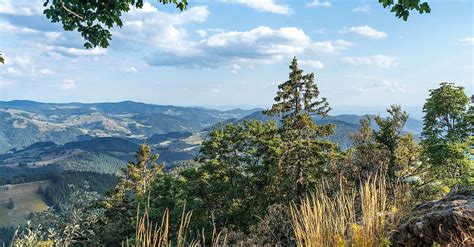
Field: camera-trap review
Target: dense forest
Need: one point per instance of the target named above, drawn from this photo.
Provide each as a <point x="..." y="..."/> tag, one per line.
<point x="256" y="183"/>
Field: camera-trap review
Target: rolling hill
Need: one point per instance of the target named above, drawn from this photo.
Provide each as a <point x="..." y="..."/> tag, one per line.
<point x="27" y="122"/>
<point x="25" y="200"/>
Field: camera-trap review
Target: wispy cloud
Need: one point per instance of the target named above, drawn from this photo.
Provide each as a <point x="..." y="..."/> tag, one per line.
<point x="466" y="41"/>
<point x="312" y="64"/>
<point x="6" y="83"/>
<point x="68" y="84"/>
<point x="317" y="3"/>
<point x="365" y="31"/>
<point x="19" y="7"/>
<point x="381" y="61"/>
<point x="363" y="8"/>
<point x="264" y="6"/>
<point x="383" y="85"/>
<point x="130" y="69"/>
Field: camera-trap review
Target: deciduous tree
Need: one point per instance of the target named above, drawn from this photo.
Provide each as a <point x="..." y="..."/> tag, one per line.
<point x="447" y="133"/>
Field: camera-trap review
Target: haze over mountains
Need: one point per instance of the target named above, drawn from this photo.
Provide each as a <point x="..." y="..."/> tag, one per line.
<point x="102" y="137"/>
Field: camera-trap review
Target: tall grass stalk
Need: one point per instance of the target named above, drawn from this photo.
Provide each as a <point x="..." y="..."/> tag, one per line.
<point x="149" y="234"/>
<point x="323" y="220"/>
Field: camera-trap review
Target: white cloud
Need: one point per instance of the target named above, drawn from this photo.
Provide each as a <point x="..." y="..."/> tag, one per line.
<point x="466" y="41"/>
<point x="6" y="83"/>
<point x="18" y="7"/>
<point x="68" y="84"/>
<point x="312" y="63"/>
<point x="331" y="46"/>
<point x="12" y="71"/>
<point x="147" y="8"/>
<point x="380" y="86"/>
<point x="258" y="45"/>
<point x="235" y="68"/>
<point x="8" y="28"/>
<point x="202" y="33"/>
<point x="130" y="69"/>
<point x="393" y="86"/>
<point x="317" y="3"/>
<point x="61" y="51"/>
<point x="137" y="23"/>
<point x="381" y="61"/>
<point x="363" y="8"/>
<point x="264" y="6"/>
<point x="47" y="42"/>
<point x="22" y="61"/>
<point x="365" y="31"/>
<point x="215" y="91"/>
<point x="45" y="71"/>
<point x="23" y="65"/>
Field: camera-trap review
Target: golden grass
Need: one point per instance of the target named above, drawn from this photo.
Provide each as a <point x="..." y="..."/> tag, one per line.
<point x="321" y="220"/>
<point x="150" y="234"/>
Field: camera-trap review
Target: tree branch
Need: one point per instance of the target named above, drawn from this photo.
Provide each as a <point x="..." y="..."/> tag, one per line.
<point x="70" y="11"/>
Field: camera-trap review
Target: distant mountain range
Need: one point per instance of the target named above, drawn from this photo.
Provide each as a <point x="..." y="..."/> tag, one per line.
<point x="26" y="122"/>
<point x="104" y="136"/>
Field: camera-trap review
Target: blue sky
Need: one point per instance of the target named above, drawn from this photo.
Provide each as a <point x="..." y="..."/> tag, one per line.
<point x="235" y="52"/>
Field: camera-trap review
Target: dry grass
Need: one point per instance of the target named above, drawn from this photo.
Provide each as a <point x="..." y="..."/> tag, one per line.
<point x="321" y="220"/>
<point x="150" y="234"/>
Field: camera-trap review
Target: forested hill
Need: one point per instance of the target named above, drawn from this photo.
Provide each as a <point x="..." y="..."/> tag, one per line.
<point x="26" y="122"/>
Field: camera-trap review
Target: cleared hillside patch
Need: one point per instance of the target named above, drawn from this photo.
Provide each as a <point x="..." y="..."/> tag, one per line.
<point x="25" y="200"/>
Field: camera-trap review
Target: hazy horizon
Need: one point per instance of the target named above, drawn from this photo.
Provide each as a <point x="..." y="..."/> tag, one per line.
<point x="414" y="111"/>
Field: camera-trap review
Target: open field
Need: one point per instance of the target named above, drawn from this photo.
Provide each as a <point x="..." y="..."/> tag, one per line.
<point x="25" y="200"/>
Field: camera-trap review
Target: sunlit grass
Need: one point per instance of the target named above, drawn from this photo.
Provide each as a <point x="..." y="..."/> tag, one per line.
<point x="323" y="220"/>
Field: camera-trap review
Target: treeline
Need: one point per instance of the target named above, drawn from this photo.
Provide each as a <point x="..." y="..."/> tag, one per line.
<point x="248" y="175"/>
<point x="63" y="185"/>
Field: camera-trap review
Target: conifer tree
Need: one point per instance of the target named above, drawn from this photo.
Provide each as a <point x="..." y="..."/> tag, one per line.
<point x="131" y="191"/>
<point x="305" y="152"/>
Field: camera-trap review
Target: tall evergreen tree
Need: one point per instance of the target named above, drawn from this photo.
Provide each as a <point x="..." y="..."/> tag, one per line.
<point x="131" y="191"/>
<point x="306" y="152"/>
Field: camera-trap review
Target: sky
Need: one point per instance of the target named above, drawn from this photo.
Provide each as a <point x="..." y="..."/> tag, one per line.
<point x="236" y="52"/>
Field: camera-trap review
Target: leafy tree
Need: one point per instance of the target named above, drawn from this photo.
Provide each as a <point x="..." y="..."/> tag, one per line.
<point x="389" y="135"/>
<point x="76" y="225"/>
<point x="367" y="157"/>
<point x="306" y="153"/>
<point x="403" y="7"/>
<point x="447" y="134"/>
<point x="408" y="154"/>
<point x="386" y="150"/>
<point x="94" y="19"/>
<point x="232" y="183"/>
